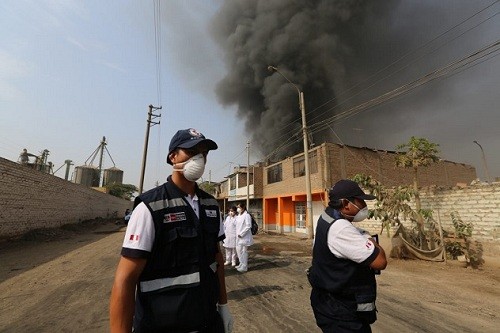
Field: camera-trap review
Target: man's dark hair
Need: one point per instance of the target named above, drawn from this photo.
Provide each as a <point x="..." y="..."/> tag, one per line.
<point x="242" y="205"/>
<point x="337" y="203"/>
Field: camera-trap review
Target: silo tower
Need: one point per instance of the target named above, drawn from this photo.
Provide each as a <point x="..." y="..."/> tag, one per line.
<point x="90" y="175"/>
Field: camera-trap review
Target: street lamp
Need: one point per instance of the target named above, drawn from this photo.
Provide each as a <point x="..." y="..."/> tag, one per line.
<point x="484" y="161"/>
<point x="309" y="213"/>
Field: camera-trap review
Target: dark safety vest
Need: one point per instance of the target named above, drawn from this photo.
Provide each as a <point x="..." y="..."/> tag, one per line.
<point x="178" y="289"/>
<point x="342" y="279"/>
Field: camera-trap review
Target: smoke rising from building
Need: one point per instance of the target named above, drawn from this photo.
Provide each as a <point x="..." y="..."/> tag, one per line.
<point x="332" y="50"/>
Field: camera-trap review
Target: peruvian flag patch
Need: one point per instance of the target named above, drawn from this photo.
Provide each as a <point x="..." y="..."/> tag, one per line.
<point x="174" y="217"/>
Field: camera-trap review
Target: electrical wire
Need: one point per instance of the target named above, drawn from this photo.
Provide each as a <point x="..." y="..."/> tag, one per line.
<point x="367" y="166"/>
<point x="157" y="26"/>
<point x="450" y="69"/>
<point x="481" y="53"/>
<point x="398" y="61"/>
<point x="158" y="51"/>
<point x="411" y="52"/>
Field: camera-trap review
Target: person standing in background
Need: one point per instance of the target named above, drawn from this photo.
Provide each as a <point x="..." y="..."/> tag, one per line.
<point x="244" y="236"/>
<point x="230" y="240"/>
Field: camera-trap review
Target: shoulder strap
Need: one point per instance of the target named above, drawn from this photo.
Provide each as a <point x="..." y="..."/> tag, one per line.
<point x="327" y="218"/>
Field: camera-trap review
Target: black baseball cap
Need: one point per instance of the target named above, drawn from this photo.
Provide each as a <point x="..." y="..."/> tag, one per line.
<point x="346" y="188"/>
<point x="188" y="138"/>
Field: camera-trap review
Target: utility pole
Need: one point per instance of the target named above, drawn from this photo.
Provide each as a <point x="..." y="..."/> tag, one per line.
<point x="248" y="175"/>
<point x="102" y="146"/>
<point x="149" y="124"/>
<point x="309" y="214"/>
<point x="302" y="105"/>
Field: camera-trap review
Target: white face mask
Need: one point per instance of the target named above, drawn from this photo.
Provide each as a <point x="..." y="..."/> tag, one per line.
<point x="238" y="210"/>
<point x="193" y="168"/>
<point x="360" y="215"/>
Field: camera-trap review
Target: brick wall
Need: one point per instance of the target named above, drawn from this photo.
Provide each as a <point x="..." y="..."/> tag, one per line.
<point x="295" y="185"/>
<point x="346" y="161"/>
<point x="30" y="199"/>
<point x="336" y="162"/>
<point x="479" y="204"/>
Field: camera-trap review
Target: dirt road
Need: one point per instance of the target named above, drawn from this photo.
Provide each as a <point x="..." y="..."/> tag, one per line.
<point x="62" y="283"/>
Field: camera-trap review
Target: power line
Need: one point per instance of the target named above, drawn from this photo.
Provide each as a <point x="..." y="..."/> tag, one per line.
<point x="477" y="55"/>
<point x="416" y="50"/>
<point x="228" y="163"/>
<point x="382" y="176"/>
<point x="394" y="63"/>
<point x="404" y="67"/>
<point x="157" y="26"/>
<point x="158" y="49"/>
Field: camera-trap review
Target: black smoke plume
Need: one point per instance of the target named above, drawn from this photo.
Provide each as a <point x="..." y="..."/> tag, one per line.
<point x="331" y="49"/>
<point x="322" y="46"/>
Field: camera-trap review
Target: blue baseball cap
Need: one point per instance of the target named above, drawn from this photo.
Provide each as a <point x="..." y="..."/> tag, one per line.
<point x="188" y="138"/>
<point x="346" y="188"/>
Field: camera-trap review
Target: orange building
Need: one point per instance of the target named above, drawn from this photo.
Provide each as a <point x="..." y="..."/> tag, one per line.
<point x="282" y="202"/>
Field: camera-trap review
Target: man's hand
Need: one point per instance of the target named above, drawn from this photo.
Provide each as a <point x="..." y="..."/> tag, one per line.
<point x="226" y="316"/>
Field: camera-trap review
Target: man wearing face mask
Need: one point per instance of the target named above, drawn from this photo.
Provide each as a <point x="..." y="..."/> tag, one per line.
<point x="170" y="277"/>
<point x="345" y="259"/>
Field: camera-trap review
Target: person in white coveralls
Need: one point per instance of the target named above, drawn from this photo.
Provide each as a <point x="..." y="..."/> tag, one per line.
<point x="244" y="236"/>
<point x="230" y="240"/>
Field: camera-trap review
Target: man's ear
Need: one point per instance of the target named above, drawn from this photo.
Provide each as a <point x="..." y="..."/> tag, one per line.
<point x="171" y="156"/>
<point x="344" y="202"/>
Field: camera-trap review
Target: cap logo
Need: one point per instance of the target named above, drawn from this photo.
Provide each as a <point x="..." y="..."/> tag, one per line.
<point x="195" y="134"/>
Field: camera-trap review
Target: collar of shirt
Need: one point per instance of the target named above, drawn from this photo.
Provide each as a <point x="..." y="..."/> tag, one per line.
<point x="194" y="202"/>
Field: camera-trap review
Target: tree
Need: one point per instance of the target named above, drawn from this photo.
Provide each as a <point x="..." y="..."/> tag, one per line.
<point x="417" y="153"/>
<point x="208" y="187"/>
<point x="125" y="191"/>
<point x="390" y="203"/>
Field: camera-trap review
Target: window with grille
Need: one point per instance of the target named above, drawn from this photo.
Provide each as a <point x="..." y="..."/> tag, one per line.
<point x="299" y="166"/>
<point x="274" y="174"/>
<point x="300" y="214"/>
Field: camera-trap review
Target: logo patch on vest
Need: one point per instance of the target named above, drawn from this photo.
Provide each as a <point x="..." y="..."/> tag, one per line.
<point x="211" y="213"/>
<point x="174" y="217"/>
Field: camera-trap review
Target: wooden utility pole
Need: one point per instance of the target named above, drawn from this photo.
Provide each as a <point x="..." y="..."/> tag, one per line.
<point x="248" y="175"/>
<point x="149" y="124"/>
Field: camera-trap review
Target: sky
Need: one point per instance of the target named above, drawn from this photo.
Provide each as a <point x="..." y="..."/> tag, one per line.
<point x="72" y="72"/>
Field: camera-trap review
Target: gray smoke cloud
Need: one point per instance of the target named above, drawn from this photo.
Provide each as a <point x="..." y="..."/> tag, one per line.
<point x="321" y="46"/>
<point x="326" y="48"/>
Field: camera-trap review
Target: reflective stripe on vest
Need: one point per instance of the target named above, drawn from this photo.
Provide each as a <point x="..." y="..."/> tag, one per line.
<point x="327" y="218"/>
<point x="162" y="204"/>
<point x="213" y="266"/>
<point x="209" y="202"/>
<point x="180" y="280"/>
<point x="366" y="306"/>
<point x="175" y="281"/>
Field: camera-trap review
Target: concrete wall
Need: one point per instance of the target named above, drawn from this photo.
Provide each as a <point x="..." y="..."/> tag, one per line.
<point x="479" y="204"/>
<point x="30" y="199"/>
